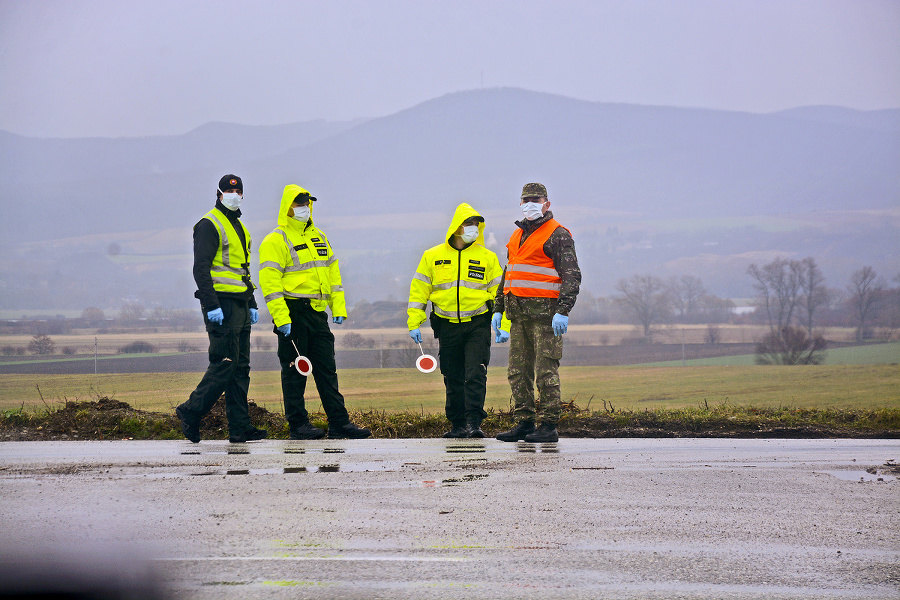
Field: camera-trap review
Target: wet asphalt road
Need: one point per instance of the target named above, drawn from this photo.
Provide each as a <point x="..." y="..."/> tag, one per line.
<point x="610" y="518"/>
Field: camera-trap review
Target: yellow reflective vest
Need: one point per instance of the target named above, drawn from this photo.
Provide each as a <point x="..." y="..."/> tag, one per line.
<point x="296" y="261"/>
<point x="230" y="270"/>
<point x="459" y="283"/>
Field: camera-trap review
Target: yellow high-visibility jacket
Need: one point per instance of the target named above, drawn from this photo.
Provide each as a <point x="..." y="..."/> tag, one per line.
<point x="296" y="261"/>
<point x="459" y="283"/>
<point x="230" y="270"/>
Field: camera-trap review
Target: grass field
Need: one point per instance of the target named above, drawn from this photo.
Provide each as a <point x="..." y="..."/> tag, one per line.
<point x="82" y="342"/>
<point x="633" y="388"/>
<point x="875" y="354"/>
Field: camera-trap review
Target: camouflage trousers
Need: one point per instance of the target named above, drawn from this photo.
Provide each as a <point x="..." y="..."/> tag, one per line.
<point x="534" y="354"/>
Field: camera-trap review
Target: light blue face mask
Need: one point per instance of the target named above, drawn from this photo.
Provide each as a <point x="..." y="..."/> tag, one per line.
<point x="469" y="234"/>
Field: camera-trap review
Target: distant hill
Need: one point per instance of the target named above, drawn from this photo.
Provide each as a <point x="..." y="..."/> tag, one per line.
<point x="647" y="188"/>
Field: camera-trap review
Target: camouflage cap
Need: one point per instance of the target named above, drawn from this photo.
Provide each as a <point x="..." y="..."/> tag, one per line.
<point x="534" y="190"/>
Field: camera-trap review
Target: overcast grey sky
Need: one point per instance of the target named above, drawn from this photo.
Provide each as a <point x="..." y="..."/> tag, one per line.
<point x="137" y="67"/>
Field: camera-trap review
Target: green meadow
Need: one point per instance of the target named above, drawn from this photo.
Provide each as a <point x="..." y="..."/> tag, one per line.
<point x="845" y="386"/>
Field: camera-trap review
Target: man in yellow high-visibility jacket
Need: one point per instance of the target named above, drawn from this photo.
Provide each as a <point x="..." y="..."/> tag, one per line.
<point x="460" y="277"/>
<point x="300" y="279"/>
<point x="222" y="273"/>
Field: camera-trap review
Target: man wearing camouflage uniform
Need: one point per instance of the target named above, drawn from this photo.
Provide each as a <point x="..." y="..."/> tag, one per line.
<point x="539" y="287"/>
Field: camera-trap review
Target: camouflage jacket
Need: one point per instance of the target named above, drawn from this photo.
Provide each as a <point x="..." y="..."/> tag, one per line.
<point x="560" y="247"/>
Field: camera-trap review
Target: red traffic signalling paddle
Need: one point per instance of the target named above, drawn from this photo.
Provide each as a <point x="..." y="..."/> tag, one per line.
<point x="425" y="363"/>
<point x="301" y="363"/>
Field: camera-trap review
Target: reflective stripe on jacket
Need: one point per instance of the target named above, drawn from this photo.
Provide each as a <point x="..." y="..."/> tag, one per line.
<point x="458" y="283"/>
<point x="530" y="272"/>
<point x="230" y="270"/>
<point x="297" y="261"/>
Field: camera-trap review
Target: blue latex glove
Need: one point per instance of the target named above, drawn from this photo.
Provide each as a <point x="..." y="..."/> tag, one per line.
<point x="416" y="335"/>
<point x="338" y="320"/>
<point x="285" y="329"/>
<point x="560" y="324"/>
<point x="502" y="337"/>
<point x="254" y="316"/>
<point x="495" y="321"/>
<point x="216" y="316"/>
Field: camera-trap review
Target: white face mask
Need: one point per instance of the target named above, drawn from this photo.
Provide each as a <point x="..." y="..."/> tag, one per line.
<point x="231" y="200"/>
<point x="301" y="213"/>
<point x="469" y="234"/>
<point x="533" y="210"/>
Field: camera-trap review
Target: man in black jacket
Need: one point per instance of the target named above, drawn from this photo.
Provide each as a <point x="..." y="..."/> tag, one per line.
<point x="225" y="291"/>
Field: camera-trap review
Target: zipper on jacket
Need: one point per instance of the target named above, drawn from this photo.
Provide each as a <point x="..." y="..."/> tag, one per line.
<point x="458" y="283"/>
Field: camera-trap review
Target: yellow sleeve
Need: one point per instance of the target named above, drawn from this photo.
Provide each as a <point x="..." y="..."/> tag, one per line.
<point x="336" y="301"/>
<point x="419" y="293"/>
<point x="494" y="275"/>
<point x="272" y="260"/>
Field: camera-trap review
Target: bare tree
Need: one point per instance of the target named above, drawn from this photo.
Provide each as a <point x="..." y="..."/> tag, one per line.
<point x="813" y="291"/>
<point x="41" y="344"/>
<point x="778" y="288"/>
<point x="93" y="315"/>
<point x="715" y="310"/>
<point x="791" y="346"/>
<point x="131" y="312"/>
<point x="647" y="299"/>
<point x="865" y="288"/>
<point x="687" y="292"/>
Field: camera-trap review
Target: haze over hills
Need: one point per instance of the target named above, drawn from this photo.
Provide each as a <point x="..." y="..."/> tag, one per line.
<point x="646" y="189"/>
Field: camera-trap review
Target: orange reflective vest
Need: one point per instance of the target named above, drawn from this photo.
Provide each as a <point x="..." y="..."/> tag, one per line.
<point x="530" y="272"/>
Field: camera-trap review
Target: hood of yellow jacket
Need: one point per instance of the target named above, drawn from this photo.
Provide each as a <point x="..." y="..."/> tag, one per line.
<point x="291" y="191"/>
<point x="463" y="212"/>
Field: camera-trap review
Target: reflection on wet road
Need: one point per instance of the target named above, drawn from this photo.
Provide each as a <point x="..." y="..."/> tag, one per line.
<point x="623" y="518"/>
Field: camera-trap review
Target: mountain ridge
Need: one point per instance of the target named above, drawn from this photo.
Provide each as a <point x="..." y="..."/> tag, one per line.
<point x="612" y="170"/>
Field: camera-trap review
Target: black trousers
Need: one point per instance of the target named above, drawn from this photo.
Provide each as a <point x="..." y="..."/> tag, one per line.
<point x="229" y="367"/>
<point x="314" y="340"/>
<point x="465" y="351"/>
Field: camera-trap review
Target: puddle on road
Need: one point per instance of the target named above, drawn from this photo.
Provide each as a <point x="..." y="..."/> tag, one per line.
<point x="527" y="447"/>
<point x="456" y="480"/>
<point x="244" y="449"/>
<point x="366" y="467"/>
<point x="459" y="448"/>
<point x="860" y="476"/>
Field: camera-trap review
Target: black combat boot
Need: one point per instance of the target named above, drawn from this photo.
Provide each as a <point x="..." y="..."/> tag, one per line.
<point x="307" y="431"/>
<point x="458" y="430"/>
<point x="518" y="432"/>
<point x="190" y="426"/>
<point x="545" y="433"/>
<point x="350" y="430"/>
<point x="473" y="428"/>
<point x="248" y="436"/>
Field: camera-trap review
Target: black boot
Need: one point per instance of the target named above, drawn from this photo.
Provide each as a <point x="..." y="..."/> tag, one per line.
<point x="458" y="430"/>
<point x="518" y="432"/>
<point x="248" y="436"/>
<point x="307" y="431"/>
<point x="473" y="428"/>
<point x="545" y="433"/>
<point x="190" y="426"/>
<point x="350" y="430"/>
